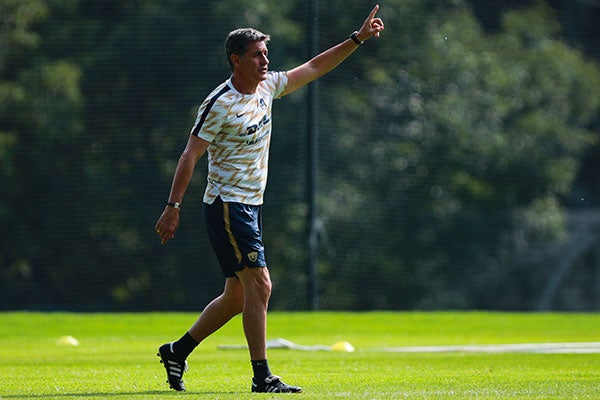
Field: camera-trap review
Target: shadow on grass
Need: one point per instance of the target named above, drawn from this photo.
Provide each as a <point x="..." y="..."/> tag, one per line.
<point x="108" y="394"/>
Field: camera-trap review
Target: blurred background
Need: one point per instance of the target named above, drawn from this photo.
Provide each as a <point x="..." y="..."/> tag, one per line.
<point x="450" y="164"/>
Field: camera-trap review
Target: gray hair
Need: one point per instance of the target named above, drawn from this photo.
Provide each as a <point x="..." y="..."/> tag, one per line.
<point x="237" y="41"/>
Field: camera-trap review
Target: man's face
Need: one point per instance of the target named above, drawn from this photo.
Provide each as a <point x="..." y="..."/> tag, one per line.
<point x="254" y="64"/>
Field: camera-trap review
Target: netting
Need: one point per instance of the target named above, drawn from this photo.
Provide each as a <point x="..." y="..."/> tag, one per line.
<point x="448" y="152"/>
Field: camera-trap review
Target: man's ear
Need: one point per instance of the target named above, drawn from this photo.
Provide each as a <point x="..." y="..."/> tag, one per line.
<point x="235" y="59"/>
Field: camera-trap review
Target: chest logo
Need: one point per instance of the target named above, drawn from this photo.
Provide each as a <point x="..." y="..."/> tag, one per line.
<point x="251" y="130"/>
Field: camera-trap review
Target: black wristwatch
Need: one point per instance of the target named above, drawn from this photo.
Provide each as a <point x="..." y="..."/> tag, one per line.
<point x="174" y="204"/>
<point x="355" y="38"/>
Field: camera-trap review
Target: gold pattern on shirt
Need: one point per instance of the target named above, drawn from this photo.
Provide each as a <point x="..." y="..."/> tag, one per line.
<point x="238" y="127"/>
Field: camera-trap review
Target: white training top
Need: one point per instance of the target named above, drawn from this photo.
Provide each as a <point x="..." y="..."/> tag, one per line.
<point x="238" y="127"/>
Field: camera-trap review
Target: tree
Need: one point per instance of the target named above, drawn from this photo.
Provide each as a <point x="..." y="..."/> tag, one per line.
<point x="472" y="140"/>
<point x="445" y="150"/>
<point x="41" y="139"/>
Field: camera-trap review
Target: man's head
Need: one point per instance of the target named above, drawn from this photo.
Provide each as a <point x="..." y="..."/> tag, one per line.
<point x="237" y="41"/>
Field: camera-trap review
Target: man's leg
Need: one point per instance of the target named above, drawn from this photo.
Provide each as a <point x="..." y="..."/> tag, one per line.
<point x="218" y="312"/>
<point x="257" y="291"/>
<point x="214" y="316"/>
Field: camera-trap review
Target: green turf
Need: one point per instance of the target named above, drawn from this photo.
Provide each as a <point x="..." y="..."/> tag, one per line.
<point x="116" y="357"/>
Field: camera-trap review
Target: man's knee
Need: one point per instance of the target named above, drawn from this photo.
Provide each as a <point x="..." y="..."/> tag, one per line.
<point x="256" y="281"/>
<point x="262" y="283"/>
<point x="266" y="286"/>
<point x="234" y="295"/>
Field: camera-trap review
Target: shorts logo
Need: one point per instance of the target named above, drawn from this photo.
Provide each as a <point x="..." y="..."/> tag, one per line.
<point x="253" y="256"/>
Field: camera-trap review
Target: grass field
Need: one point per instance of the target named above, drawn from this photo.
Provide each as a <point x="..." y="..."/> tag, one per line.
<point x="116" y="357"/>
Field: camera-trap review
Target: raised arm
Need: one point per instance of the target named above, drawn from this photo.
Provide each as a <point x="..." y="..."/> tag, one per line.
<point x="331" y="58"/>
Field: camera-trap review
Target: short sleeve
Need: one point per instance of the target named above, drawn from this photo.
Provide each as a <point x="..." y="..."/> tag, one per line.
<point x="211" y="117"/>
<point x="277" y="83"/>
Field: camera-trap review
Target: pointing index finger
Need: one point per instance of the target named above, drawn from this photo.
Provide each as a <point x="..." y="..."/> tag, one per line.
<point x="374" y="11"/>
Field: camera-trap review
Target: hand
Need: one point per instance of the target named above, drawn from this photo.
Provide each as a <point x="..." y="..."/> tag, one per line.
<point x="371" y="27"/>
<point x="167" y="224"/>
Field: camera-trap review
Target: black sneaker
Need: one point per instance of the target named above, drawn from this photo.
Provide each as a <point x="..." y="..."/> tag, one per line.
<point x="273" y="384"/>
<point x="175" y="367"/>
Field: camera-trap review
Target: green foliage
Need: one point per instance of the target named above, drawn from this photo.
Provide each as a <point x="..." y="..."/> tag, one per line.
<point x="466" y="135"/>
<point x="445" y="151"/>
<point x="40" y="101"/>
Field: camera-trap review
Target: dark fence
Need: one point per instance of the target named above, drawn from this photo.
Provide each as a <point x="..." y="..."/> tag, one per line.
<point x="449" y="153"/>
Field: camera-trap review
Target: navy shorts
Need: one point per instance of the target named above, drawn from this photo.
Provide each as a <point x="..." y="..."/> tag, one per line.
<point x="235" y="232"/>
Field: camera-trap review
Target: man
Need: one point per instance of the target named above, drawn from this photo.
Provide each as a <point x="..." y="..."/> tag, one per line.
<point x="234" y="127"/>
